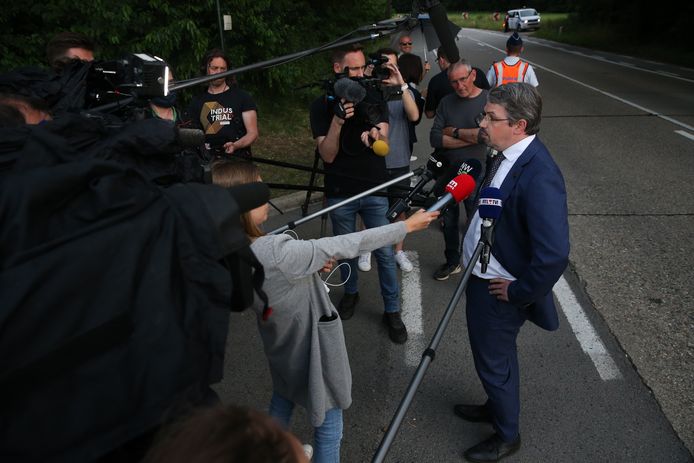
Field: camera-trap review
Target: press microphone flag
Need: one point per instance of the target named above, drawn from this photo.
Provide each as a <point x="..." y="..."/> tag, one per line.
<point x="457" y="190"/>
<point x="490" y="211"/>
<point x="490" y="203"/>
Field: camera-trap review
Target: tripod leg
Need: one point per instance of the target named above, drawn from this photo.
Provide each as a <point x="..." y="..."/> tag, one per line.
<point x="324" y="221"/>
<point x="304" y="207"/>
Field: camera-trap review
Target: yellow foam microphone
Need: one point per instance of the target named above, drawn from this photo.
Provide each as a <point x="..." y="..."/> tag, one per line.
<point x="380" y="147"/>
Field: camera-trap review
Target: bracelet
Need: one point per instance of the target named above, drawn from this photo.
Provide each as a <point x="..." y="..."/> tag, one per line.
<point x="404" y="87"/>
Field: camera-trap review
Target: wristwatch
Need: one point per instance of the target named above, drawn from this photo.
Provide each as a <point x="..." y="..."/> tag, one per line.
<point x="455" y="133"/>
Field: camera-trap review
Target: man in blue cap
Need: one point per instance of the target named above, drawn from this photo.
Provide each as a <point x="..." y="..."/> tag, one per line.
<point x="512" y="68"/>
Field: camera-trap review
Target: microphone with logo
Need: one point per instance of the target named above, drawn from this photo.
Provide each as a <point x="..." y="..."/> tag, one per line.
<point x="457" y="190"/>
<point x="403" y="204"/>
<point x="490" y="211"/>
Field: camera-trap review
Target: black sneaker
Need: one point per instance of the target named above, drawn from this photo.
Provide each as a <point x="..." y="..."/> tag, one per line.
<point x="346" y="306"/>
<point x="396" y="328"/>
<point x="445" y="271"/>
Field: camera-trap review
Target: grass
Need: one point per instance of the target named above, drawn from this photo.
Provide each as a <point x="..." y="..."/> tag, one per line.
<point x="285" y="136"/>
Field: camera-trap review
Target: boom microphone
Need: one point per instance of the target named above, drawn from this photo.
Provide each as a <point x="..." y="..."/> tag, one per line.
<point x="189" y="138"/>
<point x="457" y="190"/>
<point x="349" y="90"/>
<point x="248" y="196"/>
<point x="490" y="211"/>
<point x="439" y="19"/>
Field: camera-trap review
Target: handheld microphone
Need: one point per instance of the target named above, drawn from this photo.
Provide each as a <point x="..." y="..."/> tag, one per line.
<point x="404" y="204"/>
<point x="457" y="190"/>
<point x="439" y="19"/>
<point x="189" y="138"/>
<point x="490" y="211"/>
<point x="380" y="147"/>
<point x="437" y="163"/>
<point x="471" y="167"/>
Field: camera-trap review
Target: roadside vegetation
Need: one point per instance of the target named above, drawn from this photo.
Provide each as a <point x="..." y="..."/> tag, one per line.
<point x="566" y="28"/>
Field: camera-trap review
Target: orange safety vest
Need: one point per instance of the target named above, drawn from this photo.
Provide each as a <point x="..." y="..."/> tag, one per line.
<point x="508" y="73"/>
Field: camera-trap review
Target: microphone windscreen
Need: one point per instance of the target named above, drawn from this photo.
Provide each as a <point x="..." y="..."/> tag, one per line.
<point x="471" y="167"/>
<point x="248" y="196"/>
<point x="190" y="138"/>
<point x="490" y="203"/>
<point x="349" y="90"/>
<point x="461" y="187"/>
<point x="439" y="20"/>
<point x="380" y="147"/>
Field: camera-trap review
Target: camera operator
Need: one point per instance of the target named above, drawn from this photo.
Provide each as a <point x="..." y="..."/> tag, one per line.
<point x="68" y="46"/>
<point x="227" y="114"/>
<point x="342" y="140"/>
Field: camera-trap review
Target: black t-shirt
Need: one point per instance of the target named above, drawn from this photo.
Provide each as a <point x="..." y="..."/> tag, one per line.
<point x="220" y="115"/>
<point x="439" y="86"/>
<point x="362" y="169"/>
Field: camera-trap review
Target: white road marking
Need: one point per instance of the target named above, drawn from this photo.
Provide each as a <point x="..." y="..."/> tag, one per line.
<point x="685" y="134"/>
<point x="412" y="311"/>
<point x="585" y="333"/>
<point x="602" y="58"/>
<point x="627" y="102"/>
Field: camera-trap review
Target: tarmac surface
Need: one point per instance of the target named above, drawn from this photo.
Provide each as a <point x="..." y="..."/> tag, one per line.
<point x="616" y="381"/>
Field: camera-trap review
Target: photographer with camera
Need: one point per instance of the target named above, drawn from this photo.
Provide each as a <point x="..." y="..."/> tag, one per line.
<point x="227" y="114"/>
<point x="343" y="138"/>
<point x="403" y="109"/>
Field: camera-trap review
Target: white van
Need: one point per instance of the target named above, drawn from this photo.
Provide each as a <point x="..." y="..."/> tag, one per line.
<point x="521" y="20"/>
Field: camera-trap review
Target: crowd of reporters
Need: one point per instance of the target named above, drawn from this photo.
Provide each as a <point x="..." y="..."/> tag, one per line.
<point x="345" y="133"/>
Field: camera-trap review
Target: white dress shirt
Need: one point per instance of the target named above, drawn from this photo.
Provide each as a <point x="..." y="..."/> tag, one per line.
<point x="474" y="231"/>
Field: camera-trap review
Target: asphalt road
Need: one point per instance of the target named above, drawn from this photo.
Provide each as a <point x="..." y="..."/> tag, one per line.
<point x="616" y="381"/>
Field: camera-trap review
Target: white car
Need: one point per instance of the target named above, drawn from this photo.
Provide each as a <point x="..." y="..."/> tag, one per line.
<point x="521" y="20"/>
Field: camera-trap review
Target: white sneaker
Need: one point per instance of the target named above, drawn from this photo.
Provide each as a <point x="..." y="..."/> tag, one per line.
<point x="308" y="450"/>
<point x="365" y="262"/>
<point x="413" y="158"/>
<point x="403" y="261"/>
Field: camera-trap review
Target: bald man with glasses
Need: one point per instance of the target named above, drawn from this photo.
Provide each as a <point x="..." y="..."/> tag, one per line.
<point x="454" y="134"/>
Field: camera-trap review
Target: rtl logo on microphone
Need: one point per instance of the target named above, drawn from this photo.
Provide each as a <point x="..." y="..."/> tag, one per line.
<point x="494" y="202"/>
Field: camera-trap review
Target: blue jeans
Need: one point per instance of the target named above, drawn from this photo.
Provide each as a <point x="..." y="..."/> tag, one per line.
<point x="326" y="437"/>
<point x="373" y="211"/>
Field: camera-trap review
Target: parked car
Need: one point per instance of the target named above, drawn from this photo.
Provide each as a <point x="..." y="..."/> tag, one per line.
<point x="521" y="20"/>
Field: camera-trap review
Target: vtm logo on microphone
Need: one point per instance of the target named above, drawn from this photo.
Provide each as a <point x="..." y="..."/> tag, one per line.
<point x="495" y="202"/>
<point x="465" y="168"/>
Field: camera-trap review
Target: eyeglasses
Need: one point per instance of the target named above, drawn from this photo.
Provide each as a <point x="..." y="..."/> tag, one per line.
<point x="482" y="117"/>
<point x="405" y="43"/>
<point x="462" y="79"/>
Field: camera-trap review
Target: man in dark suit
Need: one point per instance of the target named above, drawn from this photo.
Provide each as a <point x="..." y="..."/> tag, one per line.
<point x="528" y="256"/>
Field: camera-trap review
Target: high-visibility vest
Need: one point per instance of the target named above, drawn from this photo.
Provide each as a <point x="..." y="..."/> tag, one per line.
<point x="505" y="73"/>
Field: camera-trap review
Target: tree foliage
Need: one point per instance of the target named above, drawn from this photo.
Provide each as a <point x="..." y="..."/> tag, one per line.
<point x="181" y="32"/>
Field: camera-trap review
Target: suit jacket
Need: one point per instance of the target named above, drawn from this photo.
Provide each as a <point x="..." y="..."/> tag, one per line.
<point x="532" y="235"/>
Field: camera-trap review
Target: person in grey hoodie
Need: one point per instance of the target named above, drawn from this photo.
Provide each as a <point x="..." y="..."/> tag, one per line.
<point x="302" y="333"/>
